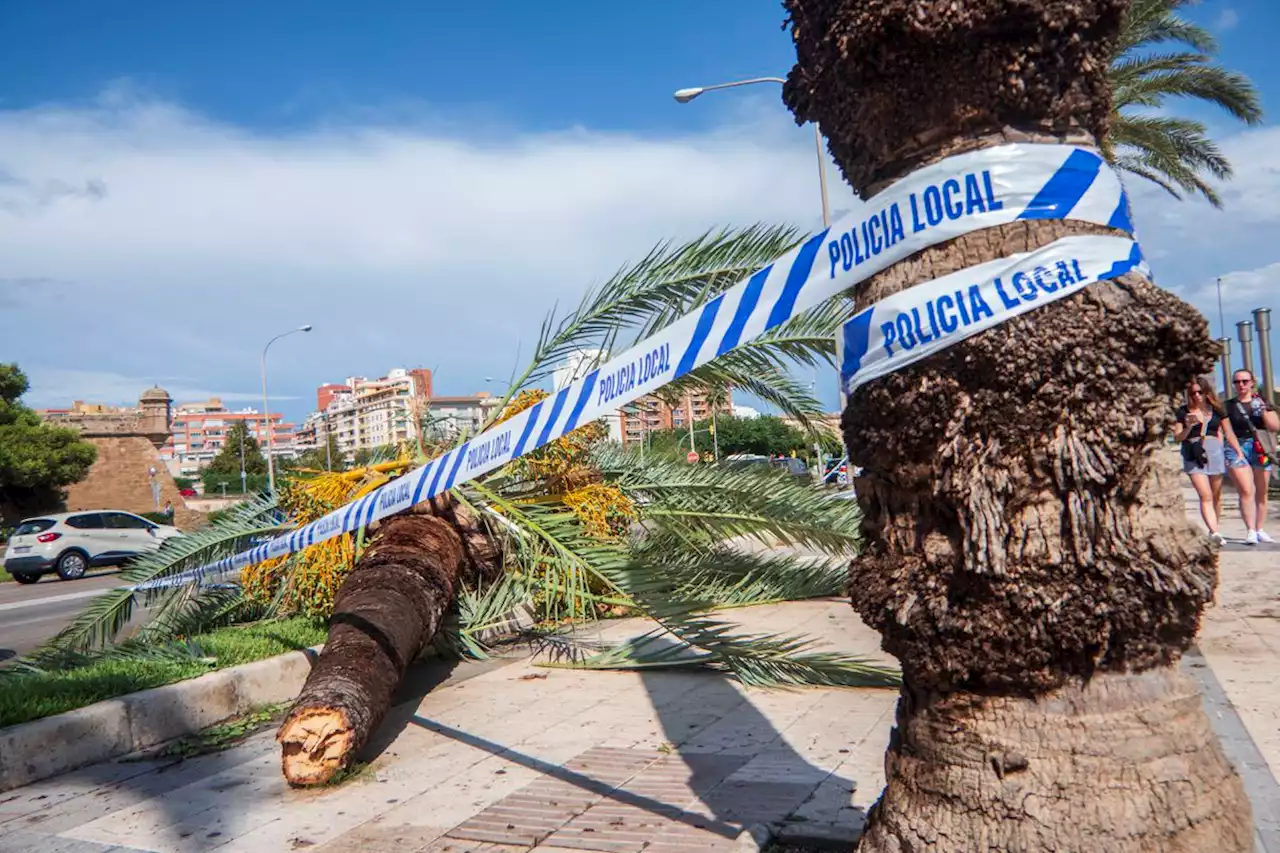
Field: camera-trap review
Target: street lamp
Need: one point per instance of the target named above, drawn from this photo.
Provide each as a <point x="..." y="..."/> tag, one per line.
<point x="684" y="96"/>
<point x="266" y="410"/>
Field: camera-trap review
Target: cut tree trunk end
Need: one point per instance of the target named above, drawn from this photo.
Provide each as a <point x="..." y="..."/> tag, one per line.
<point x="1122" y="763"/>
<point x="389" y="607"/>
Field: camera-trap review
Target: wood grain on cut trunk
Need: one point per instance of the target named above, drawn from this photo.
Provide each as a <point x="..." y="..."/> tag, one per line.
<point x="1026" y="554"/>
<point x="390" y="606"/>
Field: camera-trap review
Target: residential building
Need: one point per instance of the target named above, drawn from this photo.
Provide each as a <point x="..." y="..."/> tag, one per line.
<point x="199" y="431"/>
<point x="366" y="413"/>
<point x="453" y="416"/>
<point x="649" y="414"/>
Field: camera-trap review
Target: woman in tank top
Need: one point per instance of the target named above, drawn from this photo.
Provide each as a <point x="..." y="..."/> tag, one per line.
<point x="1204" y="431"/>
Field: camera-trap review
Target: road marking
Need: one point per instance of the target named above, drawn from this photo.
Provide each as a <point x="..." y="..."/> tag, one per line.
<point x="51" y="599"/>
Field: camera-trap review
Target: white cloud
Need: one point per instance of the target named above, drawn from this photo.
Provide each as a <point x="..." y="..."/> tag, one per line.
<point x="141" y="241"/>
<point x="58" y="387"/>
<point x="1227" y="19"/>
<point x="180" y="245"/>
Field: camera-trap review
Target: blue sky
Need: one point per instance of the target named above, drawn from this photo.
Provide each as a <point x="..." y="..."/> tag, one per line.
<point x="179" y="182"/>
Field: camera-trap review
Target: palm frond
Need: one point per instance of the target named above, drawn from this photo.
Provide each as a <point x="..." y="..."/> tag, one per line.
<point x="764" y="660"/>
<point x="175" y="564"/>
<point x="667" y="283"/>
<point x="54" y="659"/>
<point x="190" y="609"/>
<point x="733" y="578"/>
<point x="1174" y="153"/>
<point x="1152" y="22"/>
<point x="706" y="504"/>
<point x="1148" y="81"/>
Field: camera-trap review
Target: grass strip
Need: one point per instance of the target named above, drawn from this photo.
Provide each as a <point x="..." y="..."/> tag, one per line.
<point x="28" y="696"/>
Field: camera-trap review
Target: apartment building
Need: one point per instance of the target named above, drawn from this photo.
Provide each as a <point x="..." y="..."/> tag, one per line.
<point x="200" y="429"/>
<point x="649" y="414"/>
<point x="366" y="413"/>
<point x="451" y="417"/>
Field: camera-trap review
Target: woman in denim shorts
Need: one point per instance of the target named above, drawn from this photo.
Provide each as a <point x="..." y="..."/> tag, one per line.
<point x="1250" y="415"/>
<point x="1204" y="430"/>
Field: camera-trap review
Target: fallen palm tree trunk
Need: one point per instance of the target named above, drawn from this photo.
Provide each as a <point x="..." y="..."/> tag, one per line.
<point x="388" y="609"/>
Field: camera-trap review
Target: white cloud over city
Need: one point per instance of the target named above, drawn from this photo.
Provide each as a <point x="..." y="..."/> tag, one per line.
<point x="142" y="242"/>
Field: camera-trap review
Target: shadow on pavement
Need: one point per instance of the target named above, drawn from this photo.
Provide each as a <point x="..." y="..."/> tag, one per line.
<point x="751" y="773"/>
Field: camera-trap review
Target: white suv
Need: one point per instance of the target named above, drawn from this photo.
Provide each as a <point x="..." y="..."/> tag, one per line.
<point x="69" y="543"/>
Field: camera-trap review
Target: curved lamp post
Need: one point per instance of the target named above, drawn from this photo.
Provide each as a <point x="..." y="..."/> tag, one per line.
<point x="684" y="96"/>
<point x="266" y="410"/>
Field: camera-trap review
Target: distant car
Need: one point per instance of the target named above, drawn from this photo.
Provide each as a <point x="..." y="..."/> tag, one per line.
<point x="69" y="543"/>
<point x="794" y="467"/>
<point x="188" y="493"/>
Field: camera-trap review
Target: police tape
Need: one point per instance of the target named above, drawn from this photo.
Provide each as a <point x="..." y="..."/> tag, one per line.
<point x="915" y="323"/>
<point x="956" y="196"/>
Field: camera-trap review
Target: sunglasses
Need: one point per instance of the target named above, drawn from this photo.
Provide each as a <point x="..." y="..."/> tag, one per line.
<point x="1241" y="381"/>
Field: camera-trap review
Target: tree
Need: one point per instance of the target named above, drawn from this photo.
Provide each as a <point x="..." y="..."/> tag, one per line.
<point x="321" y="458"/>
<point x="1171" y="151"/>
<point x="767" y="435"/>
<point x="550" y="530"/>
<point x="225" y="467"/>
<point x="1029" y="562"/>
<point x="36" y="459"/>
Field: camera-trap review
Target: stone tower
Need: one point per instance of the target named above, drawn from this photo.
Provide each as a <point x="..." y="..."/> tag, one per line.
<point x="156" y="414"/>
<point x="129" y="473"/>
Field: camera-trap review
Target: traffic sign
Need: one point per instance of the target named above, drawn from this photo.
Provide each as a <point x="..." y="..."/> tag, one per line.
<point x="692" y="457"/>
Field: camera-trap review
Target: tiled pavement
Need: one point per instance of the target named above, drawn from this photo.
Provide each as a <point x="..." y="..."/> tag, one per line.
<point x="498" y="760"/>
<point x="608" y="760"/>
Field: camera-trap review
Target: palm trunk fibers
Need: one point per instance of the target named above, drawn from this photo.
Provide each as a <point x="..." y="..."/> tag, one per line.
<point x="1029" y="560"/>
<point x="390" y="606"/>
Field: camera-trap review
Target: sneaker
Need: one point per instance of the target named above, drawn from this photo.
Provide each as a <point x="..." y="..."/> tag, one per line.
<point x="1251" y="538"/>
<point x="1263" y="536"/>
<point x="1218" y="538"/>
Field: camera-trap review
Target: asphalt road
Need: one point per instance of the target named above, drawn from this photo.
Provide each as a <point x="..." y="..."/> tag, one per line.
<point x="31" y="614"/>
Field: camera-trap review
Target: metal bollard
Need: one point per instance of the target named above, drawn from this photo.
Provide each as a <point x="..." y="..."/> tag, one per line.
<point x="1244" y="331"/>
<point x="1224" y="360"/>
<point x="1262" y="319"/>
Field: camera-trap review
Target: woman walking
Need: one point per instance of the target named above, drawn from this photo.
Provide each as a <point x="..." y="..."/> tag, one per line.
<point x="1205" y="431"/>
<point x="1254" y="421"/>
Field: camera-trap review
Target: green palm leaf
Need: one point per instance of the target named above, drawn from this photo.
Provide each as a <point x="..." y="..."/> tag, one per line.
<point x="1174" y="153"/>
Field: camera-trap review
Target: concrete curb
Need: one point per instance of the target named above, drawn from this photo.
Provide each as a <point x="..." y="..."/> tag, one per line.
<point x="754" y="839"/>
<point x="30" y="752"/>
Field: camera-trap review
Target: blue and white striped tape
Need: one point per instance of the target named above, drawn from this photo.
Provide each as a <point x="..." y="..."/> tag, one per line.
<point x="956" y="196"/>
<point x="915" y="323"/>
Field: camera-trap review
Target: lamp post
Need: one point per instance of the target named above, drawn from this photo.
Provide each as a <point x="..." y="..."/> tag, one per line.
<point x="1225" y="361"/>
<point x="244" y="488"/>
<point x="266" y="410"/>
<point x="684" y="96"/>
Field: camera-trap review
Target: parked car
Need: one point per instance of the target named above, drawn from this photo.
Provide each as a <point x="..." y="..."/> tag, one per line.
<point x="69" y="543"/>
<point x="188" y="493"/>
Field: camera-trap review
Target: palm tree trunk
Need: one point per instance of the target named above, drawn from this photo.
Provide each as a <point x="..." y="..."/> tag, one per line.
<point x="1029" y="563"/>
<point x="388" y="609"/>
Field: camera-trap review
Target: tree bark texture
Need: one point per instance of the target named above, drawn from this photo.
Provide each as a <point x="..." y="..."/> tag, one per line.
<point x="1122" y="762"/>
<point x="1022" y="538"/>
<point x="388" y="609"/>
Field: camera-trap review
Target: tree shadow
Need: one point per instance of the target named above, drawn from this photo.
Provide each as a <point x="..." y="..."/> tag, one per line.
<point x="740" y="771"/>
<point x="714" y="727"/>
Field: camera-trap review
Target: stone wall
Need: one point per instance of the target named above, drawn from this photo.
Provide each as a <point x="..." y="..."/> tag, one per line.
<point x="120" y="479"/>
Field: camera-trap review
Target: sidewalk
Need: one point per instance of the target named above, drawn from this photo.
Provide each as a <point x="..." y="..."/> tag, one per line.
<point x="512" y="756"/>
<point x="500" y="758"/>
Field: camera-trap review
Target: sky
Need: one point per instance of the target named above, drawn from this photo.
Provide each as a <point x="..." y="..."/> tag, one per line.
<point x="181" y="182"/>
